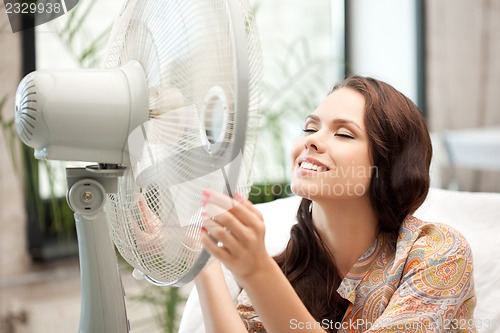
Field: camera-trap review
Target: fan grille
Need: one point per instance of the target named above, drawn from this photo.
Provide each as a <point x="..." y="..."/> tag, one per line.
<point x="26" y="109"/>
<point x="186" y="49"/>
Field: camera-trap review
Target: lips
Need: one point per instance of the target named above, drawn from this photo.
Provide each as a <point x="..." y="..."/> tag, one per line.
<point x="309" y="163"/>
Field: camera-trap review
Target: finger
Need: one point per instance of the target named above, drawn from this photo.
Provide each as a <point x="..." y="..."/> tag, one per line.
<point x="211" y="210"/>
<point x="148" y="217"/>
<point x="244" y="213"/>
<point x="228" y="220"/>
<point x="247" y="214"/>
<point x="225" y="238"/>
<point x="223" y="200"/>
<point x="147" y="227"/>
<point x="248" y="204"/>
<point x="210" y="245"/>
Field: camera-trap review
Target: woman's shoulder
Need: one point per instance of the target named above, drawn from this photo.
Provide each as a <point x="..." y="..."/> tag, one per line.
<point x="435" y="263"/>
<point x="431" y="239"/>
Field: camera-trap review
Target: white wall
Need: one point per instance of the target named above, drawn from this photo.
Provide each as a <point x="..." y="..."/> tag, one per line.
<point x="383" y="42"/>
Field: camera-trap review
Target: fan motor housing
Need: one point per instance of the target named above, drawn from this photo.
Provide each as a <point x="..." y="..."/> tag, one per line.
<point x="214" y="118"/>
<point x="81" y="115"/>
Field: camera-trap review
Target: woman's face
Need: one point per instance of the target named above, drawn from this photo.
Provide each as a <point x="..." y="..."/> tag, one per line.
<point x="332" y="159"/>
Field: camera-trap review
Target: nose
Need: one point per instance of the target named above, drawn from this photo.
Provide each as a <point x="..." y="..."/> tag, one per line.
<point x="314" y="142"/>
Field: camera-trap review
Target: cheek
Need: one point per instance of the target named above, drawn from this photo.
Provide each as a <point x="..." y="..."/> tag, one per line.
<point x="353" y="166"/>
<point x="362" y="170"/>
<point x="302" y="189"/>
<point x="364" y="173"/>
<point x="297" y="148"/>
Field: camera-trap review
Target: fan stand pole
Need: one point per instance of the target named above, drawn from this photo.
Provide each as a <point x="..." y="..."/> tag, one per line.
<point x="103" y="304"/>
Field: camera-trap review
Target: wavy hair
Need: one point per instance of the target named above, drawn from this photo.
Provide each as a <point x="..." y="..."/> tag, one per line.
<point x="401" y="152"/>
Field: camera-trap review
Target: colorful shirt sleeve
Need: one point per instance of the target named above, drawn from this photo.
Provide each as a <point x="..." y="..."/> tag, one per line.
<point x="436" y="293"/>
<point x="248" y="315"/>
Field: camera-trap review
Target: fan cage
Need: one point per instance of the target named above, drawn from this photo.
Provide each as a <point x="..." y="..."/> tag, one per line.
<point x="185" y="48"/>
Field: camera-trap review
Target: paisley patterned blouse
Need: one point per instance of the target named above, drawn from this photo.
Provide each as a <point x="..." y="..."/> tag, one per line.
<point x="420" y="282"/>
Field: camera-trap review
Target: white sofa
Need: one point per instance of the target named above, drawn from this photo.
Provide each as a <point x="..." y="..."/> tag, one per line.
<point x="476" y="215"/>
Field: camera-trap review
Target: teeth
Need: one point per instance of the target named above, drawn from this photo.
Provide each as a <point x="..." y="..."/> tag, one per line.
<point x="310" y="166"/>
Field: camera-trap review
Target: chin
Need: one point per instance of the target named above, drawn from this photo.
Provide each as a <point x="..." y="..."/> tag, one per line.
<point x="306" y="191"/>
<point x="317" y="191"/>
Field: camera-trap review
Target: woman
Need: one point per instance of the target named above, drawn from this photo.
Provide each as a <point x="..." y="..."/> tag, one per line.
<point x="357" y="260"/>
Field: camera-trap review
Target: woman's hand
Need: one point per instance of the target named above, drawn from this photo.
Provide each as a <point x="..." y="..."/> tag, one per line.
<point x="236" y="238"/>
<point x="234" y="234"/>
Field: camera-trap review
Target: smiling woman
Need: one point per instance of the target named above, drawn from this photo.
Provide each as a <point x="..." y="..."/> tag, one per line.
<point x="334" y="139"/>
<point x="357" y="260"/>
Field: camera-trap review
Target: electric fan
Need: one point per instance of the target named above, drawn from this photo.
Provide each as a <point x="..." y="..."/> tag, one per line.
<point x="174" y="111"/>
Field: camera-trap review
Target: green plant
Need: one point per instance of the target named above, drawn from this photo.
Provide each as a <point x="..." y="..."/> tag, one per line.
<point x="87" y="52"/>
<point x="52" y="209"/>
<point x="53" y="213"/>
<point x="9" y="134"/>
<point x="165" y="302"/>
<point x="299" y="81"/>
<point x="84" y="48"/>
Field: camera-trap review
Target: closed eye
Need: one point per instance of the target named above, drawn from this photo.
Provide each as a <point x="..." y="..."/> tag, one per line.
<point x="308" y="130"/>
<point x="344" y="135"/>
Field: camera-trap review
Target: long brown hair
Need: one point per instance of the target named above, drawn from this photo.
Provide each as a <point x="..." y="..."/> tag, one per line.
<point x="401" y="153"/>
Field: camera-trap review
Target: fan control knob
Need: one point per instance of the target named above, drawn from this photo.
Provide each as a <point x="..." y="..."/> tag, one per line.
<point x="86" y="196"/>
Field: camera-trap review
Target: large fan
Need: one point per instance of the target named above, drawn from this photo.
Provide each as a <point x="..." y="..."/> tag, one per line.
<point x="174" y="111"/>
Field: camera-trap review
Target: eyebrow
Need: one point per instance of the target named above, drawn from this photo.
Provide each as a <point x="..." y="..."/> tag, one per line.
<point x="335" y="121"/>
